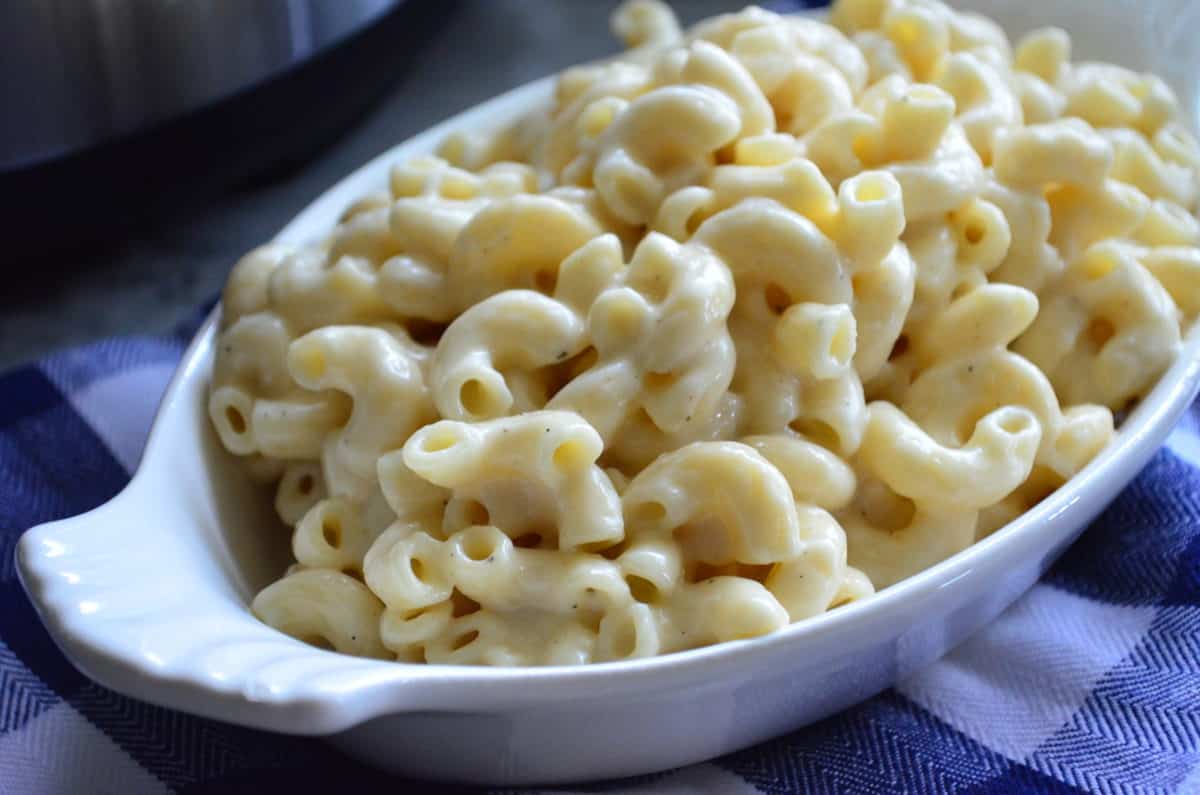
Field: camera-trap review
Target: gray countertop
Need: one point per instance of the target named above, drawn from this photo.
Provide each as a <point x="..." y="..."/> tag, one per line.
<point x="151" y="281"/>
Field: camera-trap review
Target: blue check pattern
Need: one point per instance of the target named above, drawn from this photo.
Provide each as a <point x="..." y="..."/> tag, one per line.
<point x="1090" y="683"/>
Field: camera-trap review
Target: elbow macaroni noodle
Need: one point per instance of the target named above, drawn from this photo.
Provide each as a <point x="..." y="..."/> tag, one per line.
<point x="741" y="327"/>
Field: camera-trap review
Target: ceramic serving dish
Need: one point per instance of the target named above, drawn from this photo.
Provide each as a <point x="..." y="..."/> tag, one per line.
<point x="149" y="594"/>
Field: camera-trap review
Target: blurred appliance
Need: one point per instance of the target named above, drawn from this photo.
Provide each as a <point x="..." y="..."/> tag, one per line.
<point x="115" y="108"/>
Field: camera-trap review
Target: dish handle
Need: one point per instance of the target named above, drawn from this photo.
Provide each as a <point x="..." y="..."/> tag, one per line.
<point x="152" y="615"/>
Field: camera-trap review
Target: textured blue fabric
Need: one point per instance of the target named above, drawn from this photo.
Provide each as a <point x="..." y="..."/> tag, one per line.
<point x="1090" y="683"/>
<point x="1108" y="721"/>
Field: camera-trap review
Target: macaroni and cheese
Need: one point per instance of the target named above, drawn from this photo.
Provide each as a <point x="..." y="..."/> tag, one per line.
<point x="741" y="327"/>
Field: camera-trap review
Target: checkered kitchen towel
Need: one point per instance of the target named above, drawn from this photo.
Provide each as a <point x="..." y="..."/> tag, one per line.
<point x="1091" y="682"/>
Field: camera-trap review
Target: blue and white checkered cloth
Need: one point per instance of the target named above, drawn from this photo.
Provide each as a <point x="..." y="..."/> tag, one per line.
<point x="1090" y="683"/>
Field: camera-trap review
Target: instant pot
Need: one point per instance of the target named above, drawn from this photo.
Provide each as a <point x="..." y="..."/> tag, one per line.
<point x="114" y="110"/>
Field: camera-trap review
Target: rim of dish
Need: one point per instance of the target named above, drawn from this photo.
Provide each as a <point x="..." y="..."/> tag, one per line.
<point x="1161" y="407"/>
<point x="385" y="681"/>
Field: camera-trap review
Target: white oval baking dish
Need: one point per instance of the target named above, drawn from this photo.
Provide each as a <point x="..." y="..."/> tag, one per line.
<point x="149" y="593"/>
